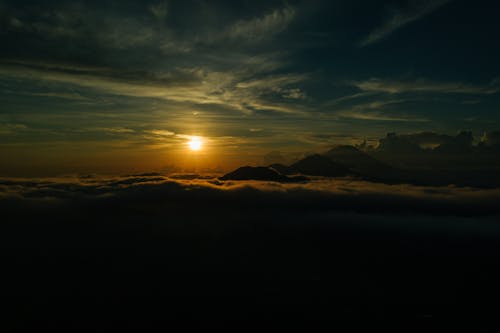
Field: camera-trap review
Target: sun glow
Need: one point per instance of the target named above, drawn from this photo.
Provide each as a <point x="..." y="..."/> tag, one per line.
<point x="195" y="143"/>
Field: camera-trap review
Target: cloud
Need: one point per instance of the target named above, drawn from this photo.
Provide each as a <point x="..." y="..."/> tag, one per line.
<point x="126" y="33"/>
<point x="82" y="24"/>
<point x="402" y="17"/>
<point x="154" y="88"/>
<point x="232" y="89"/>
<point x="8" y="129"/>
<point x="321" y="195"/>
<point x="491" y="138"/>
<point x="208" y="74"/>
<point x="116" y="130"/>
<point x="378" y="116"/>
<point x="69" y="96"/>
<point x="263" y="27"/>
<point x="158" y="132"/>
<point x="442" y="143"/>
<point x="276" y="84"/>
<point x="294" y="93"/>
<point x="378" y="111"/>
<point x="160" y="10"/>
<point x="347" y="98"/>
<point x="272" y="81"/>
<point x="149" y="248"/>
<point x="427" y="138"/>
<point x="422" y="85"/>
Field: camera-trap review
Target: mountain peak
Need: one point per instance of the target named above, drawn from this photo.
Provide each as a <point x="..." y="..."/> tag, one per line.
<point x="344" y="149"/>
<point x="319" y="165"/>
<point x="259" y="173"/>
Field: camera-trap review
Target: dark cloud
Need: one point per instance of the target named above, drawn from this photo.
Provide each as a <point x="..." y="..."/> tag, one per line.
<point x="411" y="143"/>
<point x="428" y="138"/>
<point x="319" y="195"/>
<point x="491" y="138"/>
<point x="460" y="144"/>
<point x="133" y="252"/>
<point x="395" y="144"/>
<point x="429" y="158"/>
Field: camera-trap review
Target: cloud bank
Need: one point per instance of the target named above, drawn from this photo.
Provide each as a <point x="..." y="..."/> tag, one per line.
<point x="317" y="195"/>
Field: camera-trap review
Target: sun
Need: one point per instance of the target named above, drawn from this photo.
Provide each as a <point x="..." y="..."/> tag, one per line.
<point x="195" y="143"/>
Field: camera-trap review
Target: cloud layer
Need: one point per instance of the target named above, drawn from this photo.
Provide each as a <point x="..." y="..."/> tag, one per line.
<point x="319" y="196"/>
<point x="150" y="248"/>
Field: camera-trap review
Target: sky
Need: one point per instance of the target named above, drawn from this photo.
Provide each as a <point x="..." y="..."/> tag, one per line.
<point x="115" y="86"/>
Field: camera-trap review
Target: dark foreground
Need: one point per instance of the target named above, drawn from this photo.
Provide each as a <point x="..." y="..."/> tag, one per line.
<point x="214" y="260"/>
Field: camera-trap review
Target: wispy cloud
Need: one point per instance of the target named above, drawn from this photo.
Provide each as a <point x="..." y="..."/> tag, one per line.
<point x="8" y="129"/>
<point x="415" y="11"/>
<point x="69" y="96"/>
<point x="262" y="27"/>
<point x="378" y="111"/>
<point x="114" y="130"/>
<point x="273" y="81"/>
<point x="207" y="74"/>
<point x="159" y="10"/>
<point x="377" y="116"/>
<point x="347" y="98"/>
<point x="77" y="22"/>
<point x="422" y="85"/>
<point x="231" y="89"/>
<point x="284" y="86"/>
<point x="161" y="133"/>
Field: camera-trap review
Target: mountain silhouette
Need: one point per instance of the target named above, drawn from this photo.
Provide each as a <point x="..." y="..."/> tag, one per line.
<point x="347" y="160"/>
<point x="319" y="165"/>
<point x="283" y="169"/>
<point x="259" y="173"/>
<point x="358" y="161"/>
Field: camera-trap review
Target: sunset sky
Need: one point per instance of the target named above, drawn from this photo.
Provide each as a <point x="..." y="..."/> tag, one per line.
<point x="114" y="86"/>
<point x="224" y="162"/>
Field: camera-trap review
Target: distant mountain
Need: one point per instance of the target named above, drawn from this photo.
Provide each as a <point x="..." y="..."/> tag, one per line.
<point x="358" y="161"/>
<point x="370" y="168"/>
<point x="283" y="169"/>
<point x="259" y="173"/>
<point x="344" y="161"/>
<point x="319" y="165"/>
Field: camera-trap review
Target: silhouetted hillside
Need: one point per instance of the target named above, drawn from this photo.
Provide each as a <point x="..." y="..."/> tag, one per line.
<point x="259" y="173"/>
<point x="447" y="164"/>
<point x="283" y="169"/>
<point x="319" y="165"/>
<point x="358" y="161"/>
